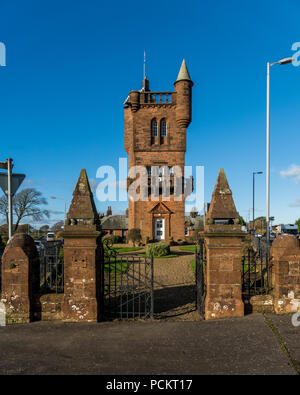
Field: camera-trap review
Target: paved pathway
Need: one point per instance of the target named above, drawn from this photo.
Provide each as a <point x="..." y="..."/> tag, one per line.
<point x="174" y="288"/>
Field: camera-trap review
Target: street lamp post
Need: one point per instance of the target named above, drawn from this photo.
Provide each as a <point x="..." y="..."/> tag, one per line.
<point x="8" y="166"/>
<point x="54" y="197"/>
<point x="281" y="62"/>
<point x="255" y="172"/>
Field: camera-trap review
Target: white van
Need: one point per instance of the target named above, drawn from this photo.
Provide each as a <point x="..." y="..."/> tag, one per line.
<point x="50" y="236"/>
<point x="289" y="229"/>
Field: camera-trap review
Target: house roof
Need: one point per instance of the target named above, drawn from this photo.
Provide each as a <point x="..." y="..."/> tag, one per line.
<point x="112" y="222"/>
<point x="194" y="222"/>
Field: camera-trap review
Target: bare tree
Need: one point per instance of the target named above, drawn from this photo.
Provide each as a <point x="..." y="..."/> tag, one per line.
<point x="26" y="204"/>
<point x="44" y="228"/>
<point x="57" y="226"/>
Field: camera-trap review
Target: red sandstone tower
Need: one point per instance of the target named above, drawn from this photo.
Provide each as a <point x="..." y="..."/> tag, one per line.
<point x="155" y="135"/>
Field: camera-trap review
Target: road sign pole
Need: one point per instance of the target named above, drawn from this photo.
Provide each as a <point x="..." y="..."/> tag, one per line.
<point x="9" y="198"/>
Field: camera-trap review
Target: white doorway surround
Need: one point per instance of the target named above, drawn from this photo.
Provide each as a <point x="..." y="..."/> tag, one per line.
<point x="159" y="229"/>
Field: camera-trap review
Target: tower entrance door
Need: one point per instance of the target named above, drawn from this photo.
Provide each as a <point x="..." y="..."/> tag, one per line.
<point x="159" y="229"/>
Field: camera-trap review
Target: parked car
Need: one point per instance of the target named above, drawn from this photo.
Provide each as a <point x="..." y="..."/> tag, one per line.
<point x="38" y="245"/>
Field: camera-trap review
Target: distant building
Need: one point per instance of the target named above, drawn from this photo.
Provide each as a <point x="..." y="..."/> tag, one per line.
<point x="115" y="225"/>
<point x="193" y="225"/>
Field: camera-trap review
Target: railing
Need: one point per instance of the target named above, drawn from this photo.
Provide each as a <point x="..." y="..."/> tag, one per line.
<point x="200" y="278"/>
<point x="256" y="273"/>
<point x="157" y="97"/>
<point x="51" y="270"/>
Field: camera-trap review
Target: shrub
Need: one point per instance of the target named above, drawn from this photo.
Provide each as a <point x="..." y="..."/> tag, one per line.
<point x="61" y="255"/>
<point x="111" y="239"/>
<point x="134" y="235"/>
<point x="158" y="249"/>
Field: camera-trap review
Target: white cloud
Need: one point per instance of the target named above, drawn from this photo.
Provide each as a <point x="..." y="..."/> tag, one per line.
<point x="296" y="203"/>
<point x="293" y="172"/>
<point x="29" y="182"/>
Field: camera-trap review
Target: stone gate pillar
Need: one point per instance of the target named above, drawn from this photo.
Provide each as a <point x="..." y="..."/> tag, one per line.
<point x="223" y="241"/>
<point x="82" y="256"/>
<point x="285" y="254"/>
<point x="20" y="279"/>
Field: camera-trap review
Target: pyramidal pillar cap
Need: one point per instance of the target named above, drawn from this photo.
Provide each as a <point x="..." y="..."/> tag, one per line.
<point x="82" y="212"/>
<point x="222" y="209"/>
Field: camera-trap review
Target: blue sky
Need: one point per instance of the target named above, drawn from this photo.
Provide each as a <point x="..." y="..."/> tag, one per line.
<point x="71" y="64"/>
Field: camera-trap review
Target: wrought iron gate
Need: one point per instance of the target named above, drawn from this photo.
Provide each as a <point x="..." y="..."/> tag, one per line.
<point x="128" y="286"/>
<point x="199" y="272"/>
<point x="51" y="269"/>
<point x="256" y="273"/>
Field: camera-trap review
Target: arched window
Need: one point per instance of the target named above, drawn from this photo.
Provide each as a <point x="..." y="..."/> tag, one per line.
<point x="154" y="128"/>
<point x="163" y="128"/>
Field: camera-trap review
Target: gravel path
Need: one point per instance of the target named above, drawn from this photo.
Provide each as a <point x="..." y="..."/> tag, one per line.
<point x="174" y="288"/>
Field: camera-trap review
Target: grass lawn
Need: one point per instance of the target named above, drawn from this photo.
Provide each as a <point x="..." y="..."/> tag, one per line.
<point x="190" y="248"/>
<point x="193" y="265"/>
<point x="118" y="265"/>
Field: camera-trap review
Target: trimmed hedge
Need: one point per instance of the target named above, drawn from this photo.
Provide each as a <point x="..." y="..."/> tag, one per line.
<point x="157" y="249"/>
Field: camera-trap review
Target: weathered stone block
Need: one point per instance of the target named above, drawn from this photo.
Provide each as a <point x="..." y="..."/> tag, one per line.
<point x="21" y="280"/>
<point x="286" y="260"/>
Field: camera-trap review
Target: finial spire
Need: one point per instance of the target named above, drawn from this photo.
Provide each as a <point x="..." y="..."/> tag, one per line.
<point x="183" y="72"/>
<point x="145" y="81"/>
<point x="144" y="63"/>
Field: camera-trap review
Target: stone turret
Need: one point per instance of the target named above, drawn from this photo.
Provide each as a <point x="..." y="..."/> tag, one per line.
<point x="183" y="88"/>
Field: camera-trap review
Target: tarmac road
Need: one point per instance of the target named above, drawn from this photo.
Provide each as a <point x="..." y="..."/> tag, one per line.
<point x="229" y="346"/>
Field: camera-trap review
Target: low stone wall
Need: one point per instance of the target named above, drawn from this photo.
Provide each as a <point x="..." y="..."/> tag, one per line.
<point x="286" y="261"/>
<point x="51" y="307"/>
<point x="260" y="304"/>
